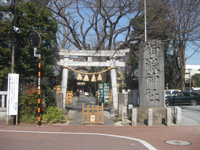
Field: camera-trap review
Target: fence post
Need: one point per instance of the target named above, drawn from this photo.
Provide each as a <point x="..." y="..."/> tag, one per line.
<point x="83" y="115"/>
<point x="102" y="115"/>
<point x="97" y="113"/>
<point x="88" y="111"/>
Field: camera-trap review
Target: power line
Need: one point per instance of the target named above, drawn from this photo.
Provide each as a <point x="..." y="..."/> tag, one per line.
<point x="193" y="52"/>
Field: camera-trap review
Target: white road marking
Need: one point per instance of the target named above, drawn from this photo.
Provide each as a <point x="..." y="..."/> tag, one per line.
<point x="149" y="146"/>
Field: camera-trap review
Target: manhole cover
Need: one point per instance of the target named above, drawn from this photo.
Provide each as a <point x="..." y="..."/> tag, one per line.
<point x="178" y="142"/>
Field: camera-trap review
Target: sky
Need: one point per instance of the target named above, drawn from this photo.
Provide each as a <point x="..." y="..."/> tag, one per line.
<point x="192" y="59"/>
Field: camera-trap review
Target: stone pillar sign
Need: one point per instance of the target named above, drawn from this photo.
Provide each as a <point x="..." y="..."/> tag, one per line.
<point x="151" y="74"/>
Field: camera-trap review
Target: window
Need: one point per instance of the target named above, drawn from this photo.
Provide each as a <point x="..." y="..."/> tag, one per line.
<point x="195" y="94"/>
<point x="186" y="94"/>
<point x="179" y="94"/>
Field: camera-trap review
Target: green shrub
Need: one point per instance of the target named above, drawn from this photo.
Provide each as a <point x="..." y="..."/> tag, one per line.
<point x="28" y="107"/>
<point x="28" y="118"/>
<point x="49" y="96"/>
<point x="53" y="115"/>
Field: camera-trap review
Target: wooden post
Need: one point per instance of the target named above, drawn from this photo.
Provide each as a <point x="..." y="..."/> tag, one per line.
<point x="83" y="115"/>
<point x="102" y="115"/>
<point x="88" y="111"/>
<point x="97" y="113"/>
<point x="92" y="109"/>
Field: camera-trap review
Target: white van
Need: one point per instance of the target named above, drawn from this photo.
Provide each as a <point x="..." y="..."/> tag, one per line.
<point x="171" y="92"/>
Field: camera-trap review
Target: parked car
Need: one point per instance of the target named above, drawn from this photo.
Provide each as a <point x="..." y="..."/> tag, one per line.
<point x="171" y="92"/>
<point x="191" y="98"/>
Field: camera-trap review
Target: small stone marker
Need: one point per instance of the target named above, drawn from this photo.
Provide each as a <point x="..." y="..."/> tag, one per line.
<point x="124" y="113"/>
<point x="130" y="107"/>
<point x="178" y="115"/>
<point x="169" y="116"/>
<point x="134" y="117"/>
<point x="59" y="97"/>
<point x="150" y="117"/>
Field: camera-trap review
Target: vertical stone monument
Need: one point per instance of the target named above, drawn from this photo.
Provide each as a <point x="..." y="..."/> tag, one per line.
<point x="151" y="83"/>
<point x="151" y="74"/>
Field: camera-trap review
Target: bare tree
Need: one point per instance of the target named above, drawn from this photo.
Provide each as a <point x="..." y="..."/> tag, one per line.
<point x="100" y="24"/>
<point x="106" y="24"/>
<point x="185" y="28"/>
<point x="63" y="32"/>
<point x="94" y="24"/>
<point x="175" y="22"/>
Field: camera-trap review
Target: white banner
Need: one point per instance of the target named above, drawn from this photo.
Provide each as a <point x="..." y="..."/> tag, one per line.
<point x="12" y="97"/>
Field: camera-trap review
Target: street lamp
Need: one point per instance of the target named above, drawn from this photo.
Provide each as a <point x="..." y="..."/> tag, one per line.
<point x="5" y="3"/>
<point x="10" y="17"/>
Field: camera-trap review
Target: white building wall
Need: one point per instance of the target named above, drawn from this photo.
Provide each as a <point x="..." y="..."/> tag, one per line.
<point x="192" y="70"/>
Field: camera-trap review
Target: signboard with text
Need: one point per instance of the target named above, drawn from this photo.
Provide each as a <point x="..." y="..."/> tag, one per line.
<point x="100" y="93"/>
<point x="106" y="93"/>
<point x="12" y="97"/>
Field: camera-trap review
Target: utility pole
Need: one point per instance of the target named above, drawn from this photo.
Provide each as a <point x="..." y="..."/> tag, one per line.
<point x="13" y="54"/>
<point x="190" y="78"/>
<point x="145" y="21"/>
<point x="13" y="42"/>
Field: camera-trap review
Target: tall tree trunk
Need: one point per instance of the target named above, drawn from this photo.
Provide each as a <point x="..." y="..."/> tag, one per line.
<point x="182" y="68"/>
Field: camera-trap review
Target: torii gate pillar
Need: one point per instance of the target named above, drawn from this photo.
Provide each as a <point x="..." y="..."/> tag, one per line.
<point x="114" y="84"/>
<point x="64" y="80"/>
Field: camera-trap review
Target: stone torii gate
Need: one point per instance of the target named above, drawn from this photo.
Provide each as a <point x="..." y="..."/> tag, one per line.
<point x="67" y="61"/>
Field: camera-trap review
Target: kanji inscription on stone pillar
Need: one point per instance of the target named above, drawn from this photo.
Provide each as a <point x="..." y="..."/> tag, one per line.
<point x="151" y="74"/>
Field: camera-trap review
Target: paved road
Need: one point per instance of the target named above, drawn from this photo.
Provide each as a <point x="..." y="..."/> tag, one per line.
<point x="32" y="137"/>
<point x="190" y="115"/>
